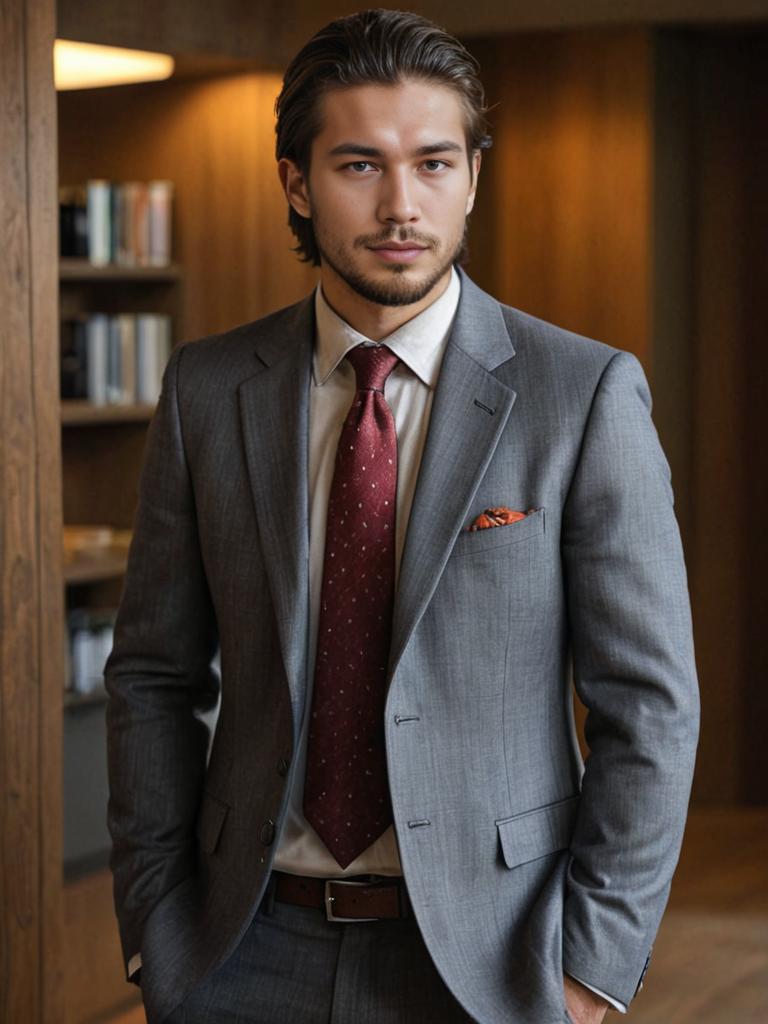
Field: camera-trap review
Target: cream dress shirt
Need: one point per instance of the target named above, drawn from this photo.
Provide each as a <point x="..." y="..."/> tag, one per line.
<point x="409" y="389"/>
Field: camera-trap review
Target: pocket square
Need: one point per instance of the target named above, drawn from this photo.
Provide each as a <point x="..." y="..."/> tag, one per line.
<point x="500" y="516"/>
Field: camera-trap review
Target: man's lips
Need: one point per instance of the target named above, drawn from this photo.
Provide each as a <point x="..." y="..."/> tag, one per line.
<point x="398" y="252"/>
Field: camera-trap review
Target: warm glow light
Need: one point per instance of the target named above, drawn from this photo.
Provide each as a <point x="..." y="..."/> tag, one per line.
<point x="88" y="66"/>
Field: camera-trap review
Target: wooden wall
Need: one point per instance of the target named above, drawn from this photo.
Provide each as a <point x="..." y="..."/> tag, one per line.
<point x="563" y="217"/>
<point x="729" y="374"/>
<point x="31" y="643"/>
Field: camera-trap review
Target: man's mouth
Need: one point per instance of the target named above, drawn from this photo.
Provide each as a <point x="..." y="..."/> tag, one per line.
<point x="398" y="252"/>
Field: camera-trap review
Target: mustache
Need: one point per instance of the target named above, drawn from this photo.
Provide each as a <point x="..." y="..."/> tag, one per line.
<point x="398" y="235"/>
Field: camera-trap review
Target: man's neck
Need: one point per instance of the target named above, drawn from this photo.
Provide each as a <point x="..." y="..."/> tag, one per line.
<point x="369" y="318"/>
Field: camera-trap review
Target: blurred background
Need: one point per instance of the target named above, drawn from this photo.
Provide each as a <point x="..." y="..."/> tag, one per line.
<point x="624" y="198"/>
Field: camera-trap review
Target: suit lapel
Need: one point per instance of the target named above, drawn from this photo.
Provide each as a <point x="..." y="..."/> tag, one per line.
<point x="469" y="412"/>
<point x="274" y="414"/>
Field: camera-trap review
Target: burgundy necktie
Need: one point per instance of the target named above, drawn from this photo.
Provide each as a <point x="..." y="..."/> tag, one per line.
<point x="346" y="795"/>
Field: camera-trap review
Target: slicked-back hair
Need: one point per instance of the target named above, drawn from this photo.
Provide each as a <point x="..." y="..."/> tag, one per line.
<point x="375" y="47"/>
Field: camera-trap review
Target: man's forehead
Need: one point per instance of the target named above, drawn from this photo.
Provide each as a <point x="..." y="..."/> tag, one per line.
<point x="426" y="110"/>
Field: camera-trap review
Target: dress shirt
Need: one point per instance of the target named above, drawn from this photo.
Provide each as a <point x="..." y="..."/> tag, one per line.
<point x="409" y="389"/>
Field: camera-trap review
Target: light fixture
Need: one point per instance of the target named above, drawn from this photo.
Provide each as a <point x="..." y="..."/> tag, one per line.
<point x="91" y="66"/>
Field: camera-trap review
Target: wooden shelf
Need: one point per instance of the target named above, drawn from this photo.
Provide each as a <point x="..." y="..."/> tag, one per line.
<point x="93" y="568"/>
<point x="82" y="270"/>
<point x="84" y="413"/>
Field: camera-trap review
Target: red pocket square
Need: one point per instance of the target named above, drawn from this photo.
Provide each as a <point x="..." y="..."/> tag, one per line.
<point x="500" y="516"/>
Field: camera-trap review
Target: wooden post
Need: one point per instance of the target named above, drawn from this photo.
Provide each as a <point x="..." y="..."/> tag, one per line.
<point x="31" y="596"/>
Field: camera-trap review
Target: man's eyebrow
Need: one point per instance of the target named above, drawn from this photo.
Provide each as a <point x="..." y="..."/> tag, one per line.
<point x="358" y="149"/>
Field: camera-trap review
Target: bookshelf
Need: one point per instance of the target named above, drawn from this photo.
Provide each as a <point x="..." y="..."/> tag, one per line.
<point x="71" y="269"/>
<point x="74" y="413"/>
<point x="102" y="448"/>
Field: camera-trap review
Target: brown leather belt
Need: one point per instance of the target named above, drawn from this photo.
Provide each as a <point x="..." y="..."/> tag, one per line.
<point x="345" y="899"/>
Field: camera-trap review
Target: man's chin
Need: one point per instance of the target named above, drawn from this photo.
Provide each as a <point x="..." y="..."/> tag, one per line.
<point x="396" y="286"/>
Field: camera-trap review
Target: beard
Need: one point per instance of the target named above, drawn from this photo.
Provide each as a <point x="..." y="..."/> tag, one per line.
<point x="398" y="290"/>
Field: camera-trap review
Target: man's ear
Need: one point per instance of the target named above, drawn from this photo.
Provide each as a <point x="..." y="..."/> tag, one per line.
<point x="477" y="158"/>
<point x="295" y="186"/>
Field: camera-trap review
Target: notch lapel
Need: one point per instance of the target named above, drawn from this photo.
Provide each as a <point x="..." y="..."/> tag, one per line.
<point x="274" y="415"/>
<point x="469" y="412"/>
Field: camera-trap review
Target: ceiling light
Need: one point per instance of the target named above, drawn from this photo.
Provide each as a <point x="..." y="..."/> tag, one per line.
<point x="91" y="66"/>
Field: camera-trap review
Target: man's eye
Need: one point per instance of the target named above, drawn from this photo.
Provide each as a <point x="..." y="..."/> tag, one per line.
<point x="434" y="165"/>
<point x="360" y="165"/>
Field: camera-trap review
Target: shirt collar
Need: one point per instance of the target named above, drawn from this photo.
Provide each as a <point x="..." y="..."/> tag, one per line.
<point x="419" y="343"/>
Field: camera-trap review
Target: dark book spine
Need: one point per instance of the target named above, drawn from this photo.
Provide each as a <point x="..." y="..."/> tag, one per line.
<point x="74" y="360"/>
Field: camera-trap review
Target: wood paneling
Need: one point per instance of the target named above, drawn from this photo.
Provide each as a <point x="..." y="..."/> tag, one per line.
<point x="729" y="563"/>
<point x="233" y="27"/>
<point x="563" y="218"/>
<point x="31" y="663"/>
<point x="214" y="138"/>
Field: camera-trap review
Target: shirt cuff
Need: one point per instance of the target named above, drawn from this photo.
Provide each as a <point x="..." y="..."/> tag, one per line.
<point x="603" y="995"/>
<point x="134" y="964"/>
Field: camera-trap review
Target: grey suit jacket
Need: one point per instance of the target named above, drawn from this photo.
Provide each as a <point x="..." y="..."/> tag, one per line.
<point x="521" y="862"/>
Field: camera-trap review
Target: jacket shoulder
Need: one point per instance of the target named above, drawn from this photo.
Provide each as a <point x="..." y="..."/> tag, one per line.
<point x="243" y="349"/>
<point x="537" y="338"/>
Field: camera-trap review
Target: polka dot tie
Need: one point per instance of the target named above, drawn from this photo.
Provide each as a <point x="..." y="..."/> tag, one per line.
<point x="346" y="795"/>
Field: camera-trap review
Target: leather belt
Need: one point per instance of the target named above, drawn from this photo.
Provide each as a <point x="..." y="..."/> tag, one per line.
<point x="345" y="899"/>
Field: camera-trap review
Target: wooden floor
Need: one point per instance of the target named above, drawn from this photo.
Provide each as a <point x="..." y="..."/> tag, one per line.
<point x="710" y="961"/>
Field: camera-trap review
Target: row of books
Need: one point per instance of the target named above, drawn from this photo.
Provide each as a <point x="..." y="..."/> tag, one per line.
<point x="128" y="223"/>
<point x="114" y="359"/>
<point x="90" y="637"/>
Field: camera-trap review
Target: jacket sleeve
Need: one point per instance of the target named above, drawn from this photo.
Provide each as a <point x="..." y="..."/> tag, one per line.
<point x="634" y="671"/>
<point x="159" y="678"/>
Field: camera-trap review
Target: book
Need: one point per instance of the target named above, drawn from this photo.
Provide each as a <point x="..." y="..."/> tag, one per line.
<point x="73" y="222"/>
<point x="153" y="348"/>
<point x="114" y="359"/>
<point x="97" y="357"/>
<point x="99" y="212"/>
<point x="91" y="635"/>
<point x="74" y="360"/>
<point x="160" y="198"/>
<point x="124" y="223"/>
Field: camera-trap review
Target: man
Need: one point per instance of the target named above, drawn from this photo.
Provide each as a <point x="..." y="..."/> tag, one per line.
<point x="407" y="514"/>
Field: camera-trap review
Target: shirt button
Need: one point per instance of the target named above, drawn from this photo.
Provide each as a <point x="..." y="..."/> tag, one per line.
<point x="267" y="832"/>
<point x="282" y="766"/>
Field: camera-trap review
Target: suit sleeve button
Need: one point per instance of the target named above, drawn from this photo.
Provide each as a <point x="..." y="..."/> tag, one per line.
<point x="267" y="832"/>
<point x="282" y="766"/>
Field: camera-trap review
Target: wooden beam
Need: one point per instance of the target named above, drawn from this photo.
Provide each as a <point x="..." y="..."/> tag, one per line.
<point x="31" y="616"/>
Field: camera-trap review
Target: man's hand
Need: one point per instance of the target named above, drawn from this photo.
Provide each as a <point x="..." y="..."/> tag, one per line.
<point x="584" y="1007"/>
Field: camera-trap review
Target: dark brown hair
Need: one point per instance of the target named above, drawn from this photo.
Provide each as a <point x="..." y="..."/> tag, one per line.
<point x="377" y="46"/>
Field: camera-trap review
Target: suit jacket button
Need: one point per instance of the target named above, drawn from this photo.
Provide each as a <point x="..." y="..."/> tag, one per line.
<point x="267" y="832"/>
<point x="282" y="766"/>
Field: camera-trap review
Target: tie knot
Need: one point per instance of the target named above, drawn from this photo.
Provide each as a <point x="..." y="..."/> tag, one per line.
<point x="372" y="364"/>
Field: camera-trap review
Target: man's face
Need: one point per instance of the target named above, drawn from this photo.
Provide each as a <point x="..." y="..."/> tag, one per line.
<point x="389" y="189"/>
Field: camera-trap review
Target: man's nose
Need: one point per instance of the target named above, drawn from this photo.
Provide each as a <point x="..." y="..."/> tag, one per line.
<point x="398" y="202"/>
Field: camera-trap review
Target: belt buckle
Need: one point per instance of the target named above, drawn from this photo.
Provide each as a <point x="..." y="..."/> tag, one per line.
<point x="330" y="916"/>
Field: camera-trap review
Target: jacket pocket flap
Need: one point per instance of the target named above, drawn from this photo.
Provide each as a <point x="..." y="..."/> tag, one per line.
<point x="533" y="834"/>
<point x="210" y="821"/>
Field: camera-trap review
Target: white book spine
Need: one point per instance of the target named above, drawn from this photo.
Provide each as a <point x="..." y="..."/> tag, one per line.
<point x="99" y="222"/>
<point x="160" y="204"/>
<point x="97" y="345"/>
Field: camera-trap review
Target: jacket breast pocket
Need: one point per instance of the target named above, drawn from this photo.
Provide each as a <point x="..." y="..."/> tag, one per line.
<point x="536" y="833"/>
<point x="472" y="541"/>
